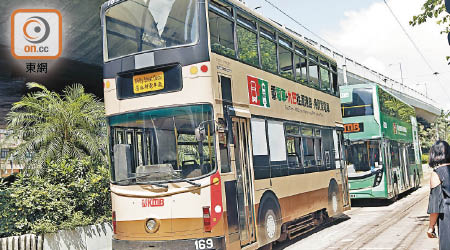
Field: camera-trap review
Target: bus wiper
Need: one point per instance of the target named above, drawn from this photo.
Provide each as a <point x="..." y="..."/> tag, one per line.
<point x="184" y="180"/>
<point x="153" y="183"/>
<point x="149" y="182"/>
<point x="187" y="181"/>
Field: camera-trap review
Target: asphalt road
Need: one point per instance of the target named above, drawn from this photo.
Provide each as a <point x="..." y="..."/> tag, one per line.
<point x="375" y="226"/>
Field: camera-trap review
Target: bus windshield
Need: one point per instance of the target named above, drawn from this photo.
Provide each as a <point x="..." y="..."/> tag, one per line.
<point x="144" y="25"/>
<point x="361" y="103"/>
<point x="363" y="156"/>
<point x="161" y="145"/>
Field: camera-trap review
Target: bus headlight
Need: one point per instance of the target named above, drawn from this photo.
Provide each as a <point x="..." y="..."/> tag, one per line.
<point x="152" y="225"/>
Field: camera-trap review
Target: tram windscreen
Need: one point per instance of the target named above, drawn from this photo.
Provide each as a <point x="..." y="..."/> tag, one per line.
<point x="363" y="156"/>
<point x="144" y="25"/>
<point x="162" y="144"/>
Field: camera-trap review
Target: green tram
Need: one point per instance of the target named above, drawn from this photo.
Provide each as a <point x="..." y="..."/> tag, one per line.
<point x="382" y="151"/>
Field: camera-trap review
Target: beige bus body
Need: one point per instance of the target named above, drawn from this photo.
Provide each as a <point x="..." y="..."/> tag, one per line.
<point x="181" y="215"/>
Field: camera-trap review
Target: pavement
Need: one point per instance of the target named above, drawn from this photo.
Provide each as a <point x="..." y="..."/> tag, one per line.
<point x="375" y="225"/>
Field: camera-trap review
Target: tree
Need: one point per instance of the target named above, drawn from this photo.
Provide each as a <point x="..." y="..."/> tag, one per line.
<point x="54" y="127"/>
<point x="433" y="9"/>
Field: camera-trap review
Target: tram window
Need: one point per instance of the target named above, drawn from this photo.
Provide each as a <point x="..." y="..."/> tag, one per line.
<point x="285" y="62"/>
<point x="268" y="54"/>
<point x="324" y="79"/>
<point x="247" y="46"/>
<point x="313" y="73"/>
<point x="222" y="37"/>
<point x="300" y="69"/>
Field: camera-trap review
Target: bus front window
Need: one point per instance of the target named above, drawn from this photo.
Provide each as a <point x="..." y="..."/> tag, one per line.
<point x="361" y="103"/>
<point x="144" y="25"/>
<point x="363" y="157"/>
<point x="162" y="145"/>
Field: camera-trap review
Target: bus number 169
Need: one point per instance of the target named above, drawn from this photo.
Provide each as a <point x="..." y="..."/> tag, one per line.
<point x="204" y="244"/>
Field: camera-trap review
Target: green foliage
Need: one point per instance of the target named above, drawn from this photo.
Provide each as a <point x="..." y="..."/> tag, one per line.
<point x="268" y="55"/>
<point x="222" y="50"/>
<point x="425" y="158"/>
<point x="433" y="9"/>
<point x="50" y="126"/>
<point x="63" y="195"/>
<point x="394" y="107"/>
<point x="438" y="130"/>
<point x="248" y="47"/>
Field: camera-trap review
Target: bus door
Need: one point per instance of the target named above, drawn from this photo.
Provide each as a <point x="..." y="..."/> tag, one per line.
<point x="404" y="165"/>
<point x="240" y="160"/>
<point x="388" y="166"/>
<point x="340" y="163"/>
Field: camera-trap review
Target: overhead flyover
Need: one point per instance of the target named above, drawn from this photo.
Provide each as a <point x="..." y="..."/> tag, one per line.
<point x="351" y="72"/>
<point x="81" y="59"/>
<point x="425" y="108"/>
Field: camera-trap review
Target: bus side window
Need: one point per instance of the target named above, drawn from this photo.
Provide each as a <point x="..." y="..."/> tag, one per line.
<point x="261" y="161"/>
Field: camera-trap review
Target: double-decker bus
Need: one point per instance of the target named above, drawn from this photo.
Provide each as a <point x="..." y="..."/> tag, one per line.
<point x="383" y="155"/>
<point x="225" y="128"/>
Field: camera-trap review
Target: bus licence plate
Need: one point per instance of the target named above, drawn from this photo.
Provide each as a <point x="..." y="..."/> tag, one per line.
<point x="148" y="82"/>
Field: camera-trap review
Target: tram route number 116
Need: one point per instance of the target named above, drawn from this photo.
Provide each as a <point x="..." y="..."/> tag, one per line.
<point x="204" y="244"/>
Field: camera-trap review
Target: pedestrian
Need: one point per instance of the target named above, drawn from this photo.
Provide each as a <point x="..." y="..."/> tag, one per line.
<point x="439" y="203"/>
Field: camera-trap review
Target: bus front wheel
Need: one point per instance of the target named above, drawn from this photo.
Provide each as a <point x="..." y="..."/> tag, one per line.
<point x="269" y="221"/>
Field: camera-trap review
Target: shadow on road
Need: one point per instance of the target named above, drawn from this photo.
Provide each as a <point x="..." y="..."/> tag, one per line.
<point x="379" y="202"/>
<point x="287" y="243"/>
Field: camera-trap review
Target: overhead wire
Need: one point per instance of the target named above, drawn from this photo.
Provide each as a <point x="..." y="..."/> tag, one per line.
<point x="416" y="47"/>
<point x="297" y="22"/>
<point x="337" y="50"/>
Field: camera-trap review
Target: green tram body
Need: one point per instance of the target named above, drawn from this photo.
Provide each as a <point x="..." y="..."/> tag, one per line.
<point x="382" y="149"/>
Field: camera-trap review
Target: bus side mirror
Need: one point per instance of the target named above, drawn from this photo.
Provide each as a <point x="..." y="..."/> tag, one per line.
<point x="122" y="161"/>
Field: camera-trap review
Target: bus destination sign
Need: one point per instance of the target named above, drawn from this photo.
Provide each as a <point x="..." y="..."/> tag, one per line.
<point x="148" y="82"/>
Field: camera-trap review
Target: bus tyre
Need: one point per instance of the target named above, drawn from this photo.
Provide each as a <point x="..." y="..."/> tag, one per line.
<point x="269" y="219"/>
<point x="333" y="199"/>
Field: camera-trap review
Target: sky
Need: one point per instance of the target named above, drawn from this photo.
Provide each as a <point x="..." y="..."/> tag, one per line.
<point x="366" y="31"/>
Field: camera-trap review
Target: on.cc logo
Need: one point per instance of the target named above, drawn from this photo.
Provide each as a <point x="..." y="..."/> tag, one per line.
<point x="36" y="34"/>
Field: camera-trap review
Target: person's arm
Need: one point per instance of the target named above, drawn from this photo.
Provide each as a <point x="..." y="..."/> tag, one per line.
<point x="433" y="219"/>
<point x="434" y="182"/>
